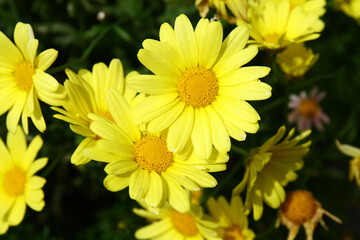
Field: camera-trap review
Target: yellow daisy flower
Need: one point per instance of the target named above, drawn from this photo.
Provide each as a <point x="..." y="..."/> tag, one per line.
<point x="233" y="223"/>
<point x="23" y="79"/>
<point x="269" y="168"/>
<point x="354" y="152"/>
<point x="199" y="89"/>
<point x="171" y="224"/>
<point x="18" y="185"/>
<point x="350" y="7"/>
<point x="301" y="208"/>
<point x="275" y="25"/>
<point x="296" y="60"/>
<point x="140" y="159"/>
<point x="86" y="94"/>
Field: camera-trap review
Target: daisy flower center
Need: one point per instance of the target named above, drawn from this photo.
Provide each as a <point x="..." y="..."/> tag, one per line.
<point x="234" y="233"/>
<point x="198" y="87"/>
<point x="152" y="154"/>
<point x="299" y="207"/>
<point x="14" y="181"/>
<point x="184" y="223"/>
<point x="23" y="73"/>
<point x="308" y="108"/>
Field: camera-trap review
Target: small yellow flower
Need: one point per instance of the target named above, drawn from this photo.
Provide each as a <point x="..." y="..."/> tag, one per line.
<point x="200" y="88"/>
<point x="233" y="223"/>
<point x="301" y="208"/>
<point x="141" y="160"/>
<point x="18" y="185"/>
<point x="296" y="60"/>
<point x="269" y="168"/>
<point x="171" y="224"/>
<point x="350" y="8"/>
<point x="86" y="94"/>
<point x="354" y="152"/>
<point x="23" y="79"/>
<point x="275" y="25"/>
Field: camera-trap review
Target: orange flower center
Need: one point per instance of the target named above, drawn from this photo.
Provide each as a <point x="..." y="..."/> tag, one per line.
<point x="23" y="73"/>
<point x="151" y="153"/>
<point x="233" y="233"/>
<point x="198" y="87"/>
<point x="309" y="108"/>
<point x="184" y="223"/>
<point x="299" y="207"/>
<point x="14" y="182"/>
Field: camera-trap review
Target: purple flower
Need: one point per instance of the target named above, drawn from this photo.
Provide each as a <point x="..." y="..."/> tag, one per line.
<point x="307" y="111"/>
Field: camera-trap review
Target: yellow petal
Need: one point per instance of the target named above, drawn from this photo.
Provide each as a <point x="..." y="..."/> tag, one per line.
<point x="180" y="130"/>
<point x="37" y="165"/>
<point x="116" y="183"/>
<point x="78" y="157"/>
<point x="234" y="61"/>
<point x="186" y="41"/>
<point x="121" y="167"/>
<point x="153" y="230"/>
<point x="139" y="184"/>
<point x="121" y="112"/>
<point x="155" y="194"/>
<point x="201" y="134"/>
<point x="45" y="59"/>
<point x="23" y="33"/>
<point x="17" y="211"/>
<point x="152" y="84"/>
<point x="348" y="150"/>
<point x="209" y="38"/>
<point x="177" y="197"/>
<point x="13" y="116"/>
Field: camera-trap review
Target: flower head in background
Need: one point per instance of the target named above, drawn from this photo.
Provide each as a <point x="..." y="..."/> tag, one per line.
<point x="350" y="7"/>
<point x="275" y="25"/>
<point x="354" y="168"/>
<point x="269" y="168"/>
<point x="307" y="111"/>
<point x="301" y="208"/>
<point x="200" y="90"/>
<point x="171" y="224"/>
<point x="23" y="79"/>
<point x="296" y="60"/>
<point x="86" y="94"/>
<point x="233" y="223"/>
<point x="238" y="8"/>
<point x="18" y="185"/>
<point x="141" y="160"/>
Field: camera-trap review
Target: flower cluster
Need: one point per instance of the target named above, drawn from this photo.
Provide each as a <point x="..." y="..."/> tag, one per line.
<point x="161" y="135"/>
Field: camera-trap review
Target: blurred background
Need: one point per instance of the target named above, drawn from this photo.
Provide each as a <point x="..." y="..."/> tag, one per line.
<point x="86" y="32"/>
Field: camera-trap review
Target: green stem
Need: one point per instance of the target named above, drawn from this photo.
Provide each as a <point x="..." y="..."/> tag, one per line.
<point x="239" y="150"/>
